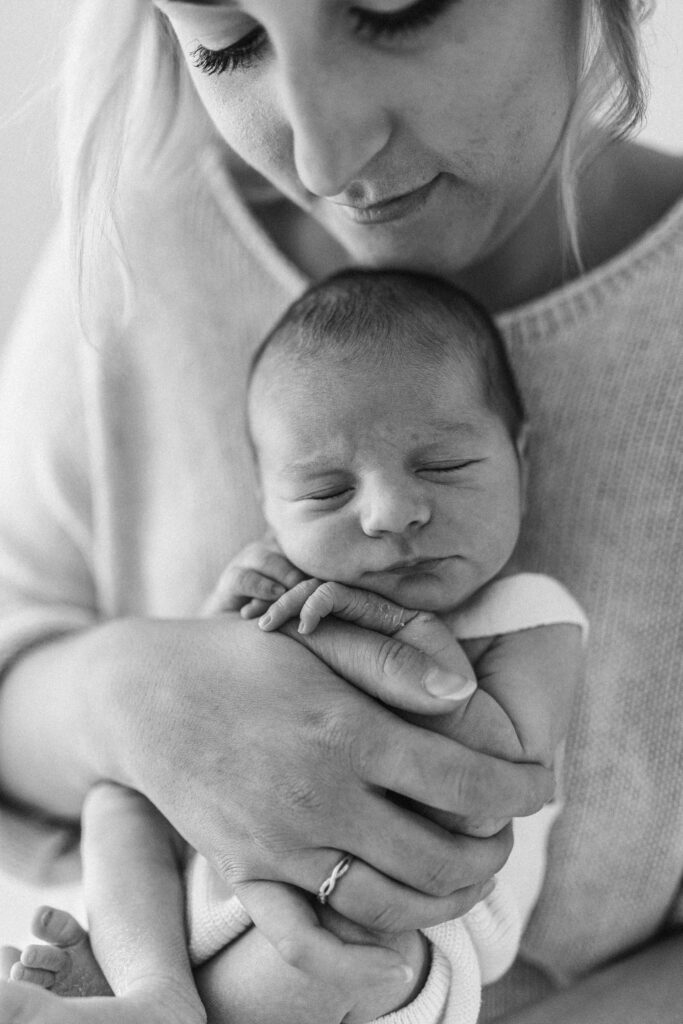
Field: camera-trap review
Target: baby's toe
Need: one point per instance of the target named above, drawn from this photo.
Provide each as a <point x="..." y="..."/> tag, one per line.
<point x="45" y="958"/>
<point x="9" y="955"/>
<point x="32" y="976"/>
<point x="57" y="927"/>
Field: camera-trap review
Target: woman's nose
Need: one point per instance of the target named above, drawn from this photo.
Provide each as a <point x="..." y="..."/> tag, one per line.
<point x="397" y="510"/>
<point x="337" y="122"/>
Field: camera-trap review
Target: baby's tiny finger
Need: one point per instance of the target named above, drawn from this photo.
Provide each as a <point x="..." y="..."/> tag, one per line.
<point x="254" y="608"/>
<point x="252" y="583"/>
<point x="289" y="605"/>
<point x="281" y="569"/>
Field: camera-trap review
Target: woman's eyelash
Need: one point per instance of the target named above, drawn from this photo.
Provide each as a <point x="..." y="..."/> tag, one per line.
<point x="238" y="57"/>
<point x="245" y="53"/>
<point x="387" y="24"/>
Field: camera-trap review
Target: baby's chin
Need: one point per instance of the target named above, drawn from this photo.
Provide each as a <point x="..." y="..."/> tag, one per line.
<point x="423" y="592"/>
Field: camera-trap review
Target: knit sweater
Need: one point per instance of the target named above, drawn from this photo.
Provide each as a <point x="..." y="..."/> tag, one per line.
<point x="126" y="484"/>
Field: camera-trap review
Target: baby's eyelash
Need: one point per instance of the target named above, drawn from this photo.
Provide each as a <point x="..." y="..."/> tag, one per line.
<point x="376" y="25"/>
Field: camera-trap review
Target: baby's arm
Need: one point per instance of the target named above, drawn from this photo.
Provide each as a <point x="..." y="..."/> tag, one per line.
<point x="248" y="981"/>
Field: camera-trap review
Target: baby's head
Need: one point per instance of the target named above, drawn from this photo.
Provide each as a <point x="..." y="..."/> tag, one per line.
<point x="387" y="429"/>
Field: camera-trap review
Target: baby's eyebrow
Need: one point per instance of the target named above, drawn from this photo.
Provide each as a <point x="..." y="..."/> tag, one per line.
<point x="463" y="428"/>
<point x="311" y="467"/>
<point x="178" y="4"/>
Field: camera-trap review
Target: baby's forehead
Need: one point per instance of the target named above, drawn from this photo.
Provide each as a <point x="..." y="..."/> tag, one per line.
<point x="336" y="406"/>
<point x="386" y="368"/>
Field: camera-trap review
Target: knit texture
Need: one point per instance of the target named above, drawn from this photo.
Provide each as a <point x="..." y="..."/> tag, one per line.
<point x="126" y="485"/>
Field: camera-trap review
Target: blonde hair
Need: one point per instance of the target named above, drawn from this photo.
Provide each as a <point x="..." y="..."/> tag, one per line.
<point x="129" y="107"/>
<point x="610" y="98"/>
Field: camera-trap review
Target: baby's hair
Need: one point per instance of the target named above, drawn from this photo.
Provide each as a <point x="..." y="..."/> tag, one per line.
<point x="380" y="316"/>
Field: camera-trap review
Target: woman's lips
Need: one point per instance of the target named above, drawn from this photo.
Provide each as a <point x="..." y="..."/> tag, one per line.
<point x="387" y="210"/>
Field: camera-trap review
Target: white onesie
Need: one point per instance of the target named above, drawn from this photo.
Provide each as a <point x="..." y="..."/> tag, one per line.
<point x="479" y="947"/>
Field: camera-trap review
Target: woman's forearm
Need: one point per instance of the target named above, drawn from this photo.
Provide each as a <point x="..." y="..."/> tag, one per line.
<point x="646" y="988"/>
<point x="53" y="706"/>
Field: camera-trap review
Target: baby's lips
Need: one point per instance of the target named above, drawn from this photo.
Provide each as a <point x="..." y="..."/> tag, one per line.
<point x="448" y="685"/>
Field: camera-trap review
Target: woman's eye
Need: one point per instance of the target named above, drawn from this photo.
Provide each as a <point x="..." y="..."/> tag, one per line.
<point x="404" y="20"/>
<point x="239" y="56"/>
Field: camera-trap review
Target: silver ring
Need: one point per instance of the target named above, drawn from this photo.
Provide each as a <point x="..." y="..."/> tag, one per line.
<point x="338" y="871"/>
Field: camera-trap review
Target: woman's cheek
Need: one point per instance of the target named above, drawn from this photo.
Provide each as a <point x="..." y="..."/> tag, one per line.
<point x="251" y="124"/>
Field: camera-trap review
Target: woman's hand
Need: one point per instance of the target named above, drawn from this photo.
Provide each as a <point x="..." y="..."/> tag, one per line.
<point x="270" y="765"/>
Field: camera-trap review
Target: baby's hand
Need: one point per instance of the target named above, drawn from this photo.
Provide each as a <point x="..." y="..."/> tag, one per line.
<point x="312" y="600"/>
<point x="366" y="1002"/>
<point x="252" y="581"/>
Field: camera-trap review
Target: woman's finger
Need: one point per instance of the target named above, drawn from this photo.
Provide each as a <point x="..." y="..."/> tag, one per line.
<point x="287" y="918"/>
<point x="400" y="848"/>
<point x="447" y="775"/>
<point x="396" y="673"/>
<point x="379" y="902"/>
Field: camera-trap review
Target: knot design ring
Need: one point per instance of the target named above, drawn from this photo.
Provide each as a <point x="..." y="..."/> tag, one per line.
<point x="338" y="871"/>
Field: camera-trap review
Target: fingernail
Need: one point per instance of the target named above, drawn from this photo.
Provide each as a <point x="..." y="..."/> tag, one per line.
<point x="277" y="590"/>
<point x="292" y="578"/>
<point x="265" y="620"/>
<point x="488" y="888"/>
<point x="449" y="686"/>
<point x="407" y="974"/>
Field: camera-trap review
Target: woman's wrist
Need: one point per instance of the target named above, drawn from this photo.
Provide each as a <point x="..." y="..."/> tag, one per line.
<point x="53" y="742"/>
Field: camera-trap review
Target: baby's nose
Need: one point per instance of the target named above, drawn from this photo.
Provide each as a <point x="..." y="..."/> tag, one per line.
<point x="396" y="510"/>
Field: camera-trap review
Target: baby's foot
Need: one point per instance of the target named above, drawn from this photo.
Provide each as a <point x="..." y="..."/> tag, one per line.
<point x="29" y="1004"/>
<point x="67" y="965"/>
<point x="9" y="955"/>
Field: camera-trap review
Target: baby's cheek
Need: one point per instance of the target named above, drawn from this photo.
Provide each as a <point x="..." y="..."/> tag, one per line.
<point x="320" y="552"/>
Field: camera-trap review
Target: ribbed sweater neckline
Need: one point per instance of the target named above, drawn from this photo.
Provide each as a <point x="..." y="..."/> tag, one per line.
<point x="563" y="307"/>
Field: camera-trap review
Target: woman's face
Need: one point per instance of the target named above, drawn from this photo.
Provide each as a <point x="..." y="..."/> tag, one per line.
<point x="418" y="133"/>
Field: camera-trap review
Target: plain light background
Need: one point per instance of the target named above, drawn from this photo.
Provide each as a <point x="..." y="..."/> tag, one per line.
<point x="30" y="37"/>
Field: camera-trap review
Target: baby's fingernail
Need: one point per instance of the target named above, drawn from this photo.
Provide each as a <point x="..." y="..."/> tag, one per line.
<point x="277" y="590"/>
<point x="265" y="620"/>
<point x="292" y="578"/>
<point x="488" y="888"/>
<point x="449" y="686"/>
<point x="404" y="973"/>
